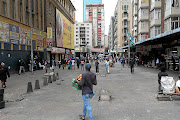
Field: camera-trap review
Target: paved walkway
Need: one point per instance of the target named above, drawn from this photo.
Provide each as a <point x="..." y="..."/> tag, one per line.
<point x="133" y="98"/>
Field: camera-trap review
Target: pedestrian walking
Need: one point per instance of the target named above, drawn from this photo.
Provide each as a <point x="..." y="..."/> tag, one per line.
<point x="21" y="64"/>
<point x="59" y="64"/>
<point x="157" y="63"/>
<point x="53" y="64"/>
<point x="70" y="64"/>
<point x="73" y="63"/>
<point x="4" y="72"/>
<point x="63" y="63"/>
<point x="123" y="62"/>
<point x="82" y="64"/>
<point x="97" y="66"/>
<point x="87" y="82"/>
<point x="107" y="64"/>
<point x="131" y="63"/>
<point x="78" y="63"/>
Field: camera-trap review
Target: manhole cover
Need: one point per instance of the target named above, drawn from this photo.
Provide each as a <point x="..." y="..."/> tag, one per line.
<point x="104" y="98"/>
<point x="105" y="95"/>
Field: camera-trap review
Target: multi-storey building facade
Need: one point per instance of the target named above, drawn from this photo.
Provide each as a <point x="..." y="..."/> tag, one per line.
<point x="83" y="34"/>
<point x="15" y="27"/>
<point x="95" y="15"/>
<point x="111" y="34"/>
<point x="60" y="20"/>
<point x="143" y="19"/>
<point x="135" y="20"/>
<point x="86" y="2"/>
<point x="123" y="16"/>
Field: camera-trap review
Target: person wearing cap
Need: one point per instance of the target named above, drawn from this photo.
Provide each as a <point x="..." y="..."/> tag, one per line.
<point x="3" y="74"/>
<point x="87" y="82"/>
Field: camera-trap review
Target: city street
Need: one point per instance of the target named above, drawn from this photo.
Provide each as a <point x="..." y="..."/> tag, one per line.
<point x="133" y="97"/>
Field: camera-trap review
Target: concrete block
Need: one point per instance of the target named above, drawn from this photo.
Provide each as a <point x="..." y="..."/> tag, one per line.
<point x="49" y="79"/>
<point x="54" y="77"/>
<point x="37" y="86"/>
<point x="57" y="76"/>
<point x="29" y="87"/>
<point x="45" y="81"/>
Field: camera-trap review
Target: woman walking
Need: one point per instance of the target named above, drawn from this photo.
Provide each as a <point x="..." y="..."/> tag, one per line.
<point x="3" y="74"/>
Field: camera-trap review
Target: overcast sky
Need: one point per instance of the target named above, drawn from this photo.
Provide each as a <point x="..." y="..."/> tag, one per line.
<point x="109" y="11"/>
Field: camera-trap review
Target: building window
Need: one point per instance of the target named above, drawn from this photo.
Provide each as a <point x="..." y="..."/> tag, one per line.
<point x="76" y="28"/>
<point x="157" y="30"/>
<point x="87" y="31"/>
<point x="4" y="8"/>
<point x="13" y="10"/>
<point x="76" y="35"/>
<point x="87" y="27"/>
<point x="82" y="24"/>
<point x="175" y="22"/>
<point x="76" y="42"/>
<point x="76" y="31"/>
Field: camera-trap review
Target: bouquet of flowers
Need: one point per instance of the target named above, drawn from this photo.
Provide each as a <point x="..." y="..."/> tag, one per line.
<point x="76" y="86"/>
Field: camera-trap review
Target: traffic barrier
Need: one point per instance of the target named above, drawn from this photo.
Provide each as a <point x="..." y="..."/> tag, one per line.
<point x="37" y="86"/>
<point x="57" y="76"/>
<point x="45" y="81"/>
<point x="54" y="77"/>
<point x="29" y="87"/>
<point x="49" y="79"/>
<point x="2" y="102"/>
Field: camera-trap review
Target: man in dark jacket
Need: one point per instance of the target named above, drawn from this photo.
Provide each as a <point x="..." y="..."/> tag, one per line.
<point x="97" y="66"/>
<point x="131" y="63"/>
<point x="3" y="74"/>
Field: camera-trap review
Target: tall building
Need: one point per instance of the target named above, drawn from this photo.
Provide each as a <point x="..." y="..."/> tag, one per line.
<point x="111" y="35"/>
<point x="135" y="20"/>
<point x="83" y="38"/>
<point x="52" y="30"/>
<point x="85" y="2"/>
<point x="143" y="19"/>
<point x="95" y="15"/>
<point x="123" y="18"/>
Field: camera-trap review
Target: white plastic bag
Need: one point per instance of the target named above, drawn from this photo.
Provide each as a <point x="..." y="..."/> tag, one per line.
<point x="168" y="84"/>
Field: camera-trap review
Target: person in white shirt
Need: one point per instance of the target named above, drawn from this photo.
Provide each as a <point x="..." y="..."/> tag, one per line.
<point x="73" y="64"/>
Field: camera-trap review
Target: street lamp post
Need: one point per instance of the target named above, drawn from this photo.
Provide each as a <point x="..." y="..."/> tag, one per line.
<point x="31" y="36"/>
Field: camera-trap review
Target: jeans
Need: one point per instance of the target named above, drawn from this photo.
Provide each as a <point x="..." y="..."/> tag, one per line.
<point x="87" y="107"/>
<point x="82" y="67"/>
<point x="107" y="69"/>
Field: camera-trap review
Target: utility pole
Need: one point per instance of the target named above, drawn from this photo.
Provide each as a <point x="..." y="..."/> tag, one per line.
<point x="129" y="48"/>
<point x="31" y="35"/>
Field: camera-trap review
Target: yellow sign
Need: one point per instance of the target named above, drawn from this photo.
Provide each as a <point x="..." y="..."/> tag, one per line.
<point x="49" y="32"/>
<point x="64" y="31"/>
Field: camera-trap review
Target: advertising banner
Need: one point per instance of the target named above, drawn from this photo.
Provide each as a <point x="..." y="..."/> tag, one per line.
<point x="40" y="41"/>
<point x="64" y="31"/>
<point x="49" y="37"/>
<point x="24" y="36"/>
<point x="14" y="34"/>
<point x="4" y="31"/>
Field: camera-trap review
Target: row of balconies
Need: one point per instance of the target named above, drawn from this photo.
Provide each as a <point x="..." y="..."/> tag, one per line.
<point x="156" y="4"/>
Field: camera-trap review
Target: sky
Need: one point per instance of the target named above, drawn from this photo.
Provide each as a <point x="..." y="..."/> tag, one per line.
<point x="109" y="7"/>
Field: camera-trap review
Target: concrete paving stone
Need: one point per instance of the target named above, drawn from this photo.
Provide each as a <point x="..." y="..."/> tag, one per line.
<point x="134" y="97"/>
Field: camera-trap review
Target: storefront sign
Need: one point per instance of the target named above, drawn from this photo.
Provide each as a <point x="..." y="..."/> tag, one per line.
<point x="58" y="50"/>
<point x="49" y="37"/>
<point x="67" y="51"/>
<point x="157" y="46"/>
<point x="4" y="31"/>
<point x="14" y="34"/>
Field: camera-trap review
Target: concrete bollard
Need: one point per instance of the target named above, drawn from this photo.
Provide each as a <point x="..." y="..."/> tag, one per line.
<point x="29" y="87"/>
<point x="2" y="102"/>
<point x="54" y="77"/>
<point x="37" y="86"/>
<point x="57" y="76"/>
<point x="45" y="81"/>
<point x="49" y="79"/>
